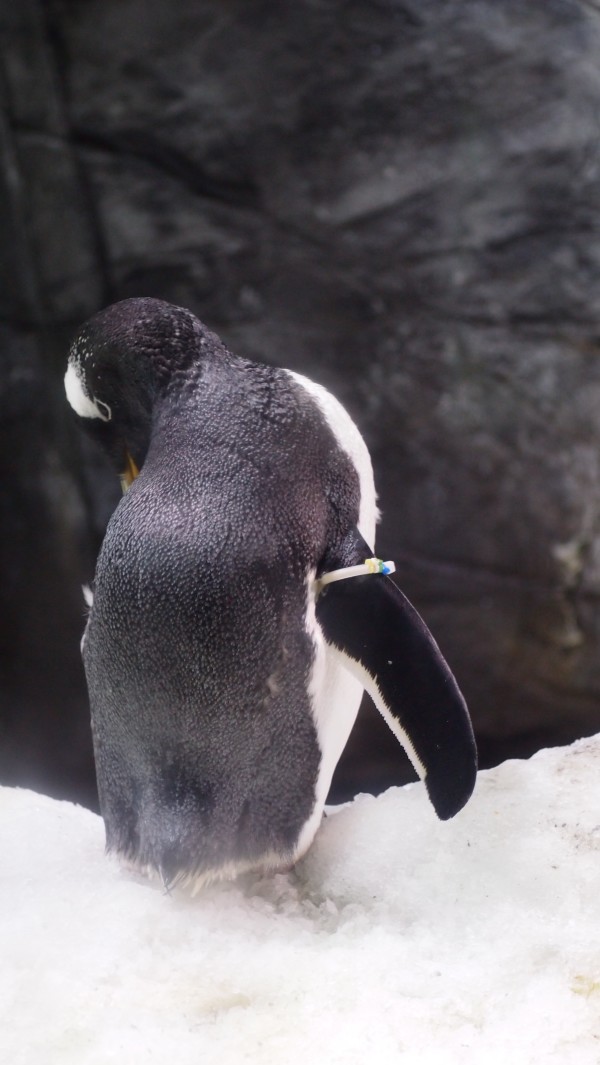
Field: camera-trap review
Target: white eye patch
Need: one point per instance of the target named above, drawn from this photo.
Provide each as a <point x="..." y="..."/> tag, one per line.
<point x="80" y="401"/>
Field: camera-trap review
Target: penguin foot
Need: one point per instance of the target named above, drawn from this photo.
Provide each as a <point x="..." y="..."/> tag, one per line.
<point x="193" y="883"/>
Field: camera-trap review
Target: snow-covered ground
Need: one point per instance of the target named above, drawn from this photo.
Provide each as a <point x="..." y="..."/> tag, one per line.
<point x="398" y="939"/>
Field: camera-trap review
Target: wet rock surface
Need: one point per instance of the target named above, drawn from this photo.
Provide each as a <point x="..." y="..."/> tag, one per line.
<point x="399" y="200"/>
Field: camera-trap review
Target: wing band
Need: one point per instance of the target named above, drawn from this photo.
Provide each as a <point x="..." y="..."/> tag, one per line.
<point x="370" y="566"/>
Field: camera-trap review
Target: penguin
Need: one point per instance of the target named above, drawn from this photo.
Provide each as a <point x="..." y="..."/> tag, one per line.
<point x="225" y="662"/>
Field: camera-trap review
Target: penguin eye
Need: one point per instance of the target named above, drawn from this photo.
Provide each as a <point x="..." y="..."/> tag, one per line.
<point x="103" y="409"/>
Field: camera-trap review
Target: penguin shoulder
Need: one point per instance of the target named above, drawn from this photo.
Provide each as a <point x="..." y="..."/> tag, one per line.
<point x="347" y="437"/>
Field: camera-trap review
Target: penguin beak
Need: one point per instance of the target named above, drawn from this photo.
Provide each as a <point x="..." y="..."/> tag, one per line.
<point x="129" y="473"/>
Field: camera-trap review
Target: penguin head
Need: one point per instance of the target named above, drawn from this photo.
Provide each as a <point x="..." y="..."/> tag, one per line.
<point x="121" y="361"/>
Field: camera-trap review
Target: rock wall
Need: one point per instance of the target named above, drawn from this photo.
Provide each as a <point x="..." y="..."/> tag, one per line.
<point x="398" y="199"/>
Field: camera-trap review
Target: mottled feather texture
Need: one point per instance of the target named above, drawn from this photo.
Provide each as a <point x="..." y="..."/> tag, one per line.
<point x="218" y="707"/>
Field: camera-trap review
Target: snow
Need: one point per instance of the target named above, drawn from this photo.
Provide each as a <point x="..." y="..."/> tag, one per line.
<point x="398" y="939"/>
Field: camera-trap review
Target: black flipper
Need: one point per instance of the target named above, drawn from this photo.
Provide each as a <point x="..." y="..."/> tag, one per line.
<point x="384" y="642"/>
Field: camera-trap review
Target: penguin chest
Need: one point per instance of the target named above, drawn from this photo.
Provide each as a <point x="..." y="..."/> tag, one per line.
<point x="334" y="697"/>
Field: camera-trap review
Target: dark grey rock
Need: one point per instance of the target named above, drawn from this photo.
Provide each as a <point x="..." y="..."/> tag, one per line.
<point x="398" y="199"/>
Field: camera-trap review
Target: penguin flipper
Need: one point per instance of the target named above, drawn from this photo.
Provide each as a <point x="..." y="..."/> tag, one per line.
<point x="384" y="642"/>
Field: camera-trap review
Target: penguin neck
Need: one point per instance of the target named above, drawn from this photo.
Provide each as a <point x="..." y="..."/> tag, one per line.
<point x="185" y="400"/>
<point x="183" y="388"/>
<point x="181" y="377"/>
